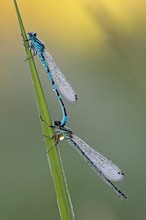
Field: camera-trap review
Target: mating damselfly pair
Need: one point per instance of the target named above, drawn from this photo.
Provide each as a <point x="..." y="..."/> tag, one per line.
<point x="107" y="170"/>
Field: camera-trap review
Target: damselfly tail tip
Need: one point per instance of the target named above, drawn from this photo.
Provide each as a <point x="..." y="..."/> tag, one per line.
<point x="121" y="195"/>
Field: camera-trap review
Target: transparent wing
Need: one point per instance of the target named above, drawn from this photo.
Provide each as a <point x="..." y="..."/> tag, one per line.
<point x="98" y="162"/>
<point x="107" y="170"/>
<point x="61" y="83"/>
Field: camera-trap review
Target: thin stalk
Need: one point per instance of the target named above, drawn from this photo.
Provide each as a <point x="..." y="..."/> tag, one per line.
<point x="54" y="159"/>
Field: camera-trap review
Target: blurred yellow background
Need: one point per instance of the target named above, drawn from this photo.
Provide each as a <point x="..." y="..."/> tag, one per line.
<point x="100" y="46"/>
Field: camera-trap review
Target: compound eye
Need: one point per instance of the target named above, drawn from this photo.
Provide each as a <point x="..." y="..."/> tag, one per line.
<point x="32" y="34"/>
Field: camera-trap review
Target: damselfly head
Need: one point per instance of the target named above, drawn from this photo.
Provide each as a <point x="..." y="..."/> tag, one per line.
<point x="31" y="34"/>
<point x="57" y="123"/>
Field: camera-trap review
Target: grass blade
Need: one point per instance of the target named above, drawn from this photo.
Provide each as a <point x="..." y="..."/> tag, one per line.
<point x="54" y="159"/>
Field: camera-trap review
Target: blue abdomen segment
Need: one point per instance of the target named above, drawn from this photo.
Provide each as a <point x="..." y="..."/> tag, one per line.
<point x="38" y="46"/>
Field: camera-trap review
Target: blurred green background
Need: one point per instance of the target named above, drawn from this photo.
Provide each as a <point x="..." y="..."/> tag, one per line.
<point x="100" y="46"/>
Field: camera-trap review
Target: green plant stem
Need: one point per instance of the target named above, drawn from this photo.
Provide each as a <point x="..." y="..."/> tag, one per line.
<point x="63" y="197"/>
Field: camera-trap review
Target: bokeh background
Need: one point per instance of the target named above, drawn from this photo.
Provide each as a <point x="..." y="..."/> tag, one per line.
<point x="100" y="46"/>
